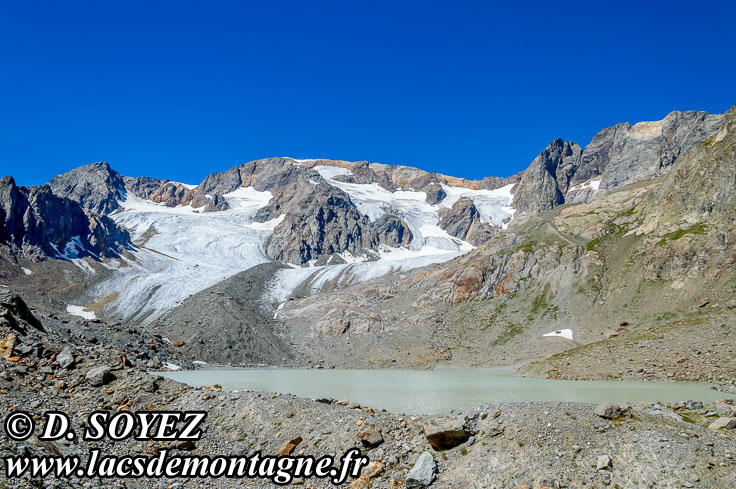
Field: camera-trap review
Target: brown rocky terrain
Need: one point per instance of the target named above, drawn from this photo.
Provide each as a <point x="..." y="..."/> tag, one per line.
<point x="496" y="446"/>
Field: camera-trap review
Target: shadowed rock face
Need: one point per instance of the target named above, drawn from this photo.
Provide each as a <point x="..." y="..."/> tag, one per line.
<point x="462" y="221"/>
<point x="617" y="156"/>
<point x="35" y="219"/>
<point x="543" y="185"/>
<point x="392" y="231"/>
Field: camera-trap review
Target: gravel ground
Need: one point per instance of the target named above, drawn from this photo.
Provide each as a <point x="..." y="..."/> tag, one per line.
<point x="514" y="445"/>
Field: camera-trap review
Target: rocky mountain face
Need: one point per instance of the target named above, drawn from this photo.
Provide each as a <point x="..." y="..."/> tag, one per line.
<point x="96" y="187"/>
<point x="644" y="272"/>
<point x="36" y="221"/>
<point x="319" y="221"/>
<point x="617" y="156"/>
<point x="463" y="221"/>
<point x="634" y="227"/>
<point x="545" y="183"/>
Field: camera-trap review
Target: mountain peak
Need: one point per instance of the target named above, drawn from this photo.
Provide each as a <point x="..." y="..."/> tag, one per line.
<point x="97" y="187"/>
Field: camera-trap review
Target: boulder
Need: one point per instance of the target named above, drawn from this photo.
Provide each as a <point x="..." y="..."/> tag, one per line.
<point x="290" y="446"/>
<point x="446" y="432"/>
<point x="423" y="473"/>
<point x="99" y="376"/>
<point x="65" y="359"/>
<point x="604" y="462"/>
<point x="608" y="411"/>
<point x="371" y="437"/>
<point x="727" y="423"/>
<point x="7" y="345"/>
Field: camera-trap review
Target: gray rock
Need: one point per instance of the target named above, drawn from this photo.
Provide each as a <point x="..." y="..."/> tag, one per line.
<point x="604" y="462"/>
<point x="34" y="218"/>
<point x="608" y="411"/>
<point x="392" y="231"/>
<point x="371" y="437"/>
<point x="99" y="376"/>
<point x="96" y="187"/>
<point x="725" y="422"/>
<point x="423" y="473"/>
<point x="446" y="432"/>
<point x="462" y="221"/>
<point x="319" y="220"/>
<point x="543" y="185"/>
<point x="65" y="359"/>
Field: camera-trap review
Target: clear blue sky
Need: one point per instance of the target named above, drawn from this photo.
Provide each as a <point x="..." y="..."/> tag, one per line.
<point x="181" y="89"/>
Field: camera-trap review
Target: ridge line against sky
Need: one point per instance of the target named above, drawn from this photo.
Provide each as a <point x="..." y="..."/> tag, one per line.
<point x="178" y="90"/>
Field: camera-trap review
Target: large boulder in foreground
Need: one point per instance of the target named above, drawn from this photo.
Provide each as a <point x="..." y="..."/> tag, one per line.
<point x="447" y="432"/>
<point x="423" y="473"/>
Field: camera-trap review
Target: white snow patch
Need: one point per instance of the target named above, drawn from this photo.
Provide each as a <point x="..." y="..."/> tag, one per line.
<point x="72" y="250"/>
<point x="391" y="260"/>
<point x="562" y="333"/>
<point x="26" y="271"/>
<point x="187" y="185"/>
<point x="494" y="206"/>
<point x="171" y="366"/>
<point x="80" y="311"/>
<point x="422" y="218"/>
<point x="593" y="183"/>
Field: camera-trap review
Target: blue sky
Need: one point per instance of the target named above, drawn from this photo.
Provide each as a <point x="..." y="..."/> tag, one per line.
<point x="181" y="89"/>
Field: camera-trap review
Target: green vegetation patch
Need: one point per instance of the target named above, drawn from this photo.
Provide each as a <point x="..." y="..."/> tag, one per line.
<point x="512" y="329"/>
<point x="674" y="236"/>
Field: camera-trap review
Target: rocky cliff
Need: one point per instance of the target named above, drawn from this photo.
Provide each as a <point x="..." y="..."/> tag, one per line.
<point x="34" y="220"/>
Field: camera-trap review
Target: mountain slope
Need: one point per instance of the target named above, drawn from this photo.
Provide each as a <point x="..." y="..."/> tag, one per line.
<point x="392" y="264"/>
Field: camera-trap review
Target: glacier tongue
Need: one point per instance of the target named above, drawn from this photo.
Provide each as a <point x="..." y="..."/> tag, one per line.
<point x="184" y="251"/>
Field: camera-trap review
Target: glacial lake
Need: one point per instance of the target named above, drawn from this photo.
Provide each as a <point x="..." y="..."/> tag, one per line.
<point x="439" y="391"/>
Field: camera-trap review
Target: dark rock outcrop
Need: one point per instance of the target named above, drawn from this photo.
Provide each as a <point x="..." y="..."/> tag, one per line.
<point x="33" y="218"/>
<point x="543" y="185"/>
<point x="319" y="220"/>
<point x="463" y="221"/>
<point x="392" y="231"/>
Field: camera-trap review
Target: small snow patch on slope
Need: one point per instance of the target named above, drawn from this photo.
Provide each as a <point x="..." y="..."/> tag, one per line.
<point x="186" y="185"/>
<point x="26" y="271"/>
<point x="80" y="311"/>
<point x="594" y="184"/>
<point x="562" y="333"/>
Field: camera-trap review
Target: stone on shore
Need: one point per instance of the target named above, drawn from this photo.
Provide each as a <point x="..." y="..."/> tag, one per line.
<point x="608" y="411"/>
<point x="446" y="432"/>
<point x="423" y="473"/>
<point x="727" y="423"/>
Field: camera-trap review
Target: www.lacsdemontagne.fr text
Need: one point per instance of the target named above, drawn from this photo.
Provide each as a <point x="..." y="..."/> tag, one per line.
<point x="160" y="426"/>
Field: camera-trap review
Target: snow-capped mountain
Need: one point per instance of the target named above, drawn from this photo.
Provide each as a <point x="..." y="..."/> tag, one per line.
<point x="146" y="245"/>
